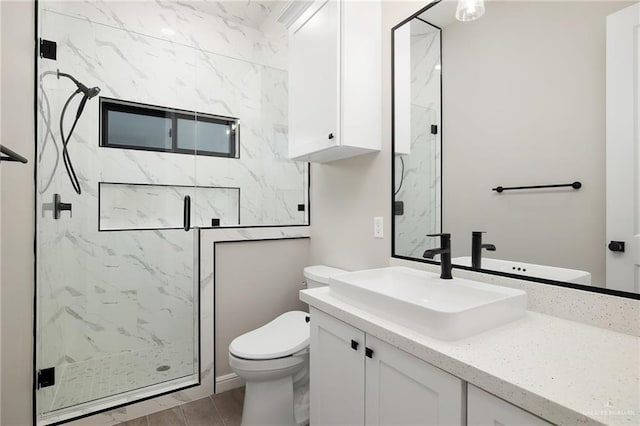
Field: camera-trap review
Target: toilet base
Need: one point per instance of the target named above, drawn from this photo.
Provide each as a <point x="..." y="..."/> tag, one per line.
<point x="269" y="403"/>
<point x="274" y="389"/>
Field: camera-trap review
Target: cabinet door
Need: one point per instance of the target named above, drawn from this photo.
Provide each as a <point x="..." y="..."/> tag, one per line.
<point x="314" y="51"/>
<point x="404" y="390"/>
<point x="337" y="372"/>
<point x="484" y="409"/>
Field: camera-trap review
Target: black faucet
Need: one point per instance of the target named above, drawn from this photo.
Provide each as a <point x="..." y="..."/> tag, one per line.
<point x="476" y="249"/>
<point x="445" y="254"/>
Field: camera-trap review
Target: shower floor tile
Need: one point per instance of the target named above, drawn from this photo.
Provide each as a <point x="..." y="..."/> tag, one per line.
<point x="90" y="380"/>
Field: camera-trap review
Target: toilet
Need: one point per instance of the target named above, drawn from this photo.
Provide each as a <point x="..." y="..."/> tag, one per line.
<point x="273" y="360"/>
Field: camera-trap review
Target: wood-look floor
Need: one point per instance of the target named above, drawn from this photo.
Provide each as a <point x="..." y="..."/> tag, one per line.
<point x="223" y="409"/>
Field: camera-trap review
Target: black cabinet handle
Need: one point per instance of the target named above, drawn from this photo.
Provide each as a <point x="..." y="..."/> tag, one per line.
<point x="330" y="135"/>
<point x="368" y="352"/>
<point x="617" y="246"/>
<point x="187" y="213"/>
<point x="354" y="345"/>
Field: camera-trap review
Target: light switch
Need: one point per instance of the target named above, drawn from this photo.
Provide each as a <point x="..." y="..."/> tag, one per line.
<point x="378" y="227"/>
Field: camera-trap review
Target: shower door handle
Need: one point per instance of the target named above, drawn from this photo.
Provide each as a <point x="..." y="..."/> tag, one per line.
<point x="187" y="213"/>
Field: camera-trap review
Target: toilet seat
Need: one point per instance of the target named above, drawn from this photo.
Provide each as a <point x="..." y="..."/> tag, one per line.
<point x="284" y="336"/>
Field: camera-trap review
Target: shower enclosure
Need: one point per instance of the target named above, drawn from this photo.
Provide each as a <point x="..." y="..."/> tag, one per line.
<point x="187" y="134"/>
<point x="117" y="265"/>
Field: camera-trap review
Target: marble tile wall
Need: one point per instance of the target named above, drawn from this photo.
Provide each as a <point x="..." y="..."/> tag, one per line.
<point x="130" y="207"/>
<point x="420" y="174"/>
<point x="208" y="237"/>
<point x="108" y="294"/>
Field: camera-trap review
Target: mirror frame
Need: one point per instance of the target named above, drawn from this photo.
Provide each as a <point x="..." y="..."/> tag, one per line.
<point x="593" y="289"/>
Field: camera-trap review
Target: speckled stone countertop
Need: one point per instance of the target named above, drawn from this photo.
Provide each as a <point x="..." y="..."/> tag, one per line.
<point x="565" y="372"/>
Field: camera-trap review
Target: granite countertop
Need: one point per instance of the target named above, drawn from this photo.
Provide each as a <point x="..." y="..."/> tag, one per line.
<point x="565" y="372"/>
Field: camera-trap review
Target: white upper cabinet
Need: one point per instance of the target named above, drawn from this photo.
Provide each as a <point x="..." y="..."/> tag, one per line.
<point x="335" y="81"/>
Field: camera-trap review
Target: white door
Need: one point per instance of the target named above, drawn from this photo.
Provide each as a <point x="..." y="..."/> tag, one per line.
<point x="623" y="149"/>
<point x="314" y="50"/>
<point x="404" y="390"/>
<point x="337" y="372"/>
<point x="484" y="409"/>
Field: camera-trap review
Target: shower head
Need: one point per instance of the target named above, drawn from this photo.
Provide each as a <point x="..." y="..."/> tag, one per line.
<point x="89" y="92"/>
<point x="93" y="91"/>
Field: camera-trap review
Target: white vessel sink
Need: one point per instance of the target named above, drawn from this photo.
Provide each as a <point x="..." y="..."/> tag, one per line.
<point x="529" y="269"/>
<point x="443" y="309"/>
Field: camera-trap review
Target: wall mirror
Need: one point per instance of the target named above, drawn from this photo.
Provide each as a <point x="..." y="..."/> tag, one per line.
<point x="521" y="124"/>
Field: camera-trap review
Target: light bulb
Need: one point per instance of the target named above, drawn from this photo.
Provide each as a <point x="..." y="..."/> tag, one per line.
<point x="469" y="10"/>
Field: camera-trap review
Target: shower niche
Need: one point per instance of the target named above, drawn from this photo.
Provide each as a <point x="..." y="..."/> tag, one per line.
<point x="147" y="206"/>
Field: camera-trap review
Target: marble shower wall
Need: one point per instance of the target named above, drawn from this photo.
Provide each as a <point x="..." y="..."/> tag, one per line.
<point x="421" y="175"/>
<point x="130" y="207"/>
<point x="104" y="294"/>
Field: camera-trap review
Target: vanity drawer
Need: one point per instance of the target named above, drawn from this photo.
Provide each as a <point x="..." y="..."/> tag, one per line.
<point x="484" y="409"/>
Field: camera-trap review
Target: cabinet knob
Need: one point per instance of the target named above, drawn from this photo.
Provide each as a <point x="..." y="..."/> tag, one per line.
<point x="368" y="352"/>
<point x="617" y="246"/>
<point x="354" y="345"/>
<point x="330" y="135"/>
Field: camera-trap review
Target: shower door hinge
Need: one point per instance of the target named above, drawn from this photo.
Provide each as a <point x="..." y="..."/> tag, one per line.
<point x="48" y="49"/>
<point x="46" y="377"/>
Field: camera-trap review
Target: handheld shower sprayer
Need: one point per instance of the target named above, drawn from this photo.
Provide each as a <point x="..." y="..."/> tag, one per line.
<point x="87" y="93"/>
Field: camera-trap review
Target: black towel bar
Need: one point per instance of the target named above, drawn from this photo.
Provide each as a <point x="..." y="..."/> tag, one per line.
<point x="11" y="155"/>
<point x="574" y="185"/>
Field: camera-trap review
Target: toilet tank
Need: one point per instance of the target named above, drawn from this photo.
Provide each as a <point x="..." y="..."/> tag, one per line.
<point x="318" y="275"/>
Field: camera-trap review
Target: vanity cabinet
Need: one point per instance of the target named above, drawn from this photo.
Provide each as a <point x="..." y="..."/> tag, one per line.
<point x="336" y="371"/>
<point x="335" y="81"/>
<point x="484" y="409"/>
<point x="357" y="379"/>
<point x="404" y="390"/>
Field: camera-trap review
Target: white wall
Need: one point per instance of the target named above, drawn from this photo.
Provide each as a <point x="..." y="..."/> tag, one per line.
<point x="17" y="208"/>
<point x="524" y="104"/>
<point x="347" y="194"/>
<point x="252" y="288"/>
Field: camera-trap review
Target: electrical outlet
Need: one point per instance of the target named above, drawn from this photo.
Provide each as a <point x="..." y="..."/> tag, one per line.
<point x="378" y="227"/>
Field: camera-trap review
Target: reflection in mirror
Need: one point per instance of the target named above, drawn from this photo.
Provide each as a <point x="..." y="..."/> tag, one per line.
<point x="417" y="108"/>
<point x="532" y="93"/>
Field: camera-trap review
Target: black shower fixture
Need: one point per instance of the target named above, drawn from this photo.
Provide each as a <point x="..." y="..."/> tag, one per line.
<point x="87" y="93"/>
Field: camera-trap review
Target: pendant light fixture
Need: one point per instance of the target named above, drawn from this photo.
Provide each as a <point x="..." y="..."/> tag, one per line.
<point x="469" y="10"/>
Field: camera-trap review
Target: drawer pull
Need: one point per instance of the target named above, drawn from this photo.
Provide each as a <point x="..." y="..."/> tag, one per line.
<point x="354" y="345"/>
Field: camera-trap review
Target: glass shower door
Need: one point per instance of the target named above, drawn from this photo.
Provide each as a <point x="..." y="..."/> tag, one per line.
<point x="117" y="294"/>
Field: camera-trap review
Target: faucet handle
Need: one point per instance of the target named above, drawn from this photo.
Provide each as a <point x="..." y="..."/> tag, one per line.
<point x="445" y="239"/>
